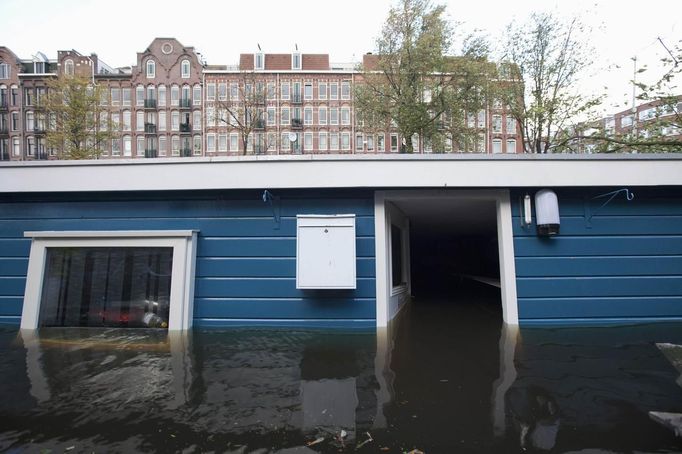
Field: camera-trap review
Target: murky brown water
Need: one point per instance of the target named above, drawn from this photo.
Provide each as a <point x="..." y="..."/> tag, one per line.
<point x="448" y="378"/>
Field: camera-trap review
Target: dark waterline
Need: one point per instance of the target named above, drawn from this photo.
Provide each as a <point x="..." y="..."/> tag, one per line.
<point x="449" y="377"/>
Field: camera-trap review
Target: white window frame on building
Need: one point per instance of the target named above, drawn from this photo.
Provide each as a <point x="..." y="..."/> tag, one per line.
<point x="259" y="61"/>
<point x="185" y="69"/>
<point x="183" y="242"/>
<point x="296" y="61"/>
<point x="150" y="67"/>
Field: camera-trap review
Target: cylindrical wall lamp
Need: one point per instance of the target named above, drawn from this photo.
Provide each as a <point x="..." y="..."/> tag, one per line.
<point x="547" y="213"/>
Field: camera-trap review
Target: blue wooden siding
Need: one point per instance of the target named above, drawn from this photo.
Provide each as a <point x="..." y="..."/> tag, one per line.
<point x="620" y="263"/>
<point x="246" y="262"/>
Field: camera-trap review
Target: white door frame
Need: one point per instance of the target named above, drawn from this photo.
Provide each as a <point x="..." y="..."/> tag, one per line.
<point x="505" y="239"/>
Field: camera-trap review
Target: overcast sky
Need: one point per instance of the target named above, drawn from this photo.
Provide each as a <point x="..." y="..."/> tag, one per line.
<point x="221" y="30"/>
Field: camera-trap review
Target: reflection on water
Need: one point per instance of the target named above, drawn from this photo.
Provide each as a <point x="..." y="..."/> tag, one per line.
<point x="448" y="377"/>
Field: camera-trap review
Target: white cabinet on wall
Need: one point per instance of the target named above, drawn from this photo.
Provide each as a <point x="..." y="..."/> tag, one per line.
<point x="325" y="251"/>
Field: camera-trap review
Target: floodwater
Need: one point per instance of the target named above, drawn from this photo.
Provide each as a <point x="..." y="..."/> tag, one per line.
<point x="447" y="378"/>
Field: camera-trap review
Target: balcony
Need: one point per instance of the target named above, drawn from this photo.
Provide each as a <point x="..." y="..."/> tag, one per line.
<point x="39" y="129"/>
<point x="150" y="153"/>
<point x="149" y="128"/>
<point x="296" y="99"/>
<point x="150" y="103"/>
<point x="296" y="123"/>
<point x="186" y="152"/>
<point x="185" y="127"/>
<point x="185" y="103"/>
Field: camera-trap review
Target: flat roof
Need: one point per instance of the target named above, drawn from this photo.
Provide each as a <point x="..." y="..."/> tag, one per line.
<point x="342" y="171"/>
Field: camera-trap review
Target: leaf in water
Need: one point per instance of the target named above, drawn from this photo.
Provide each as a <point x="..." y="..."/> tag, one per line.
<point x="315" y="441"/>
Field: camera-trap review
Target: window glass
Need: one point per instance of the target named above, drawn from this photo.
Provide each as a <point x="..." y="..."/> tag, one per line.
<point x="107" y="286"/>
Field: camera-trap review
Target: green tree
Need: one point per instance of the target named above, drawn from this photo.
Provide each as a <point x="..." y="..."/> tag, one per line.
<point x="74" y="117"/>
<point x="544" y="60"/>
<point x="412" y="84"/>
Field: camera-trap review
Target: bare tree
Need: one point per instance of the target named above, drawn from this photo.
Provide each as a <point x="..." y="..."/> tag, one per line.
<point x="545" y="57"/>
<point x="244" y="110"/>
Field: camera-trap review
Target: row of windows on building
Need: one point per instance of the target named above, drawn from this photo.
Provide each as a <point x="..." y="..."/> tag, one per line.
<point x="185" y="69"/>
<point x="289" y="141"/>
<point x="295" y="90"/>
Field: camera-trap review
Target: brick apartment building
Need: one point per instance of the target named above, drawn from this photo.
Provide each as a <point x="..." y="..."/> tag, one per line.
<point x="170" y="103"/>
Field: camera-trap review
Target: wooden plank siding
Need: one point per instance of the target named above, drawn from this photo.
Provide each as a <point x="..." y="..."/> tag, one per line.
<point x="246" y="262"/>
<point x="618" y="263"/>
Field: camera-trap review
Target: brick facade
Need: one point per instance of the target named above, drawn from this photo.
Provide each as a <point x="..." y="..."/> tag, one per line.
<point x="170" y="103"/>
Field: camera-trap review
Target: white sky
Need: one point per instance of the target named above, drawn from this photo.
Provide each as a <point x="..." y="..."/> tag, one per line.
<point x="221" y="30"/>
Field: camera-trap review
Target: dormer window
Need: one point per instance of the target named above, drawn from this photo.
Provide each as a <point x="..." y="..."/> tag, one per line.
<point x="151" y="69"/>
<point x="296" y="60"/>
<point x="260" y="61"/>
<point x="39" y="67"/>
<point x="68" y="67"/>
<point x="184" y="69"/>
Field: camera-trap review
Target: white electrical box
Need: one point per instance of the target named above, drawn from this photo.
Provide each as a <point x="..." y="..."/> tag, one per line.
<point x="325" y="251"/>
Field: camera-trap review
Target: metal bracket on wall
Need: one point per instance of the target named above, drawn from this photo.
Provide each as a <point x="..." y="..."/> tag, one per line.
<point x="275" y="206"/>
<point x="590" y="214"/>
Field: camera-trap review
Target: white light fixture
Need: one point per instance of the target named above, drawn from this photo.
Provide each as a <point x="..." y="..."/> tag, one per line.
<point x="527" y="213"/>
<point x="547" y="213"/>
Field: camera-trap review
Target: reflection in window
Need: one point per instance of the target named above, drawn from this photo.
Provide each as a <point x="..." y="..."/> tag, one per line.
<point x="396" y="255"/>
<point x="107" y="286"/>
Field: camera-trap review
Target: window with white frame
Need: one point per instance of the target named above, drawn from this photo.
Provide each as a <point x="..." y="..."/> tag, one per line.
<point x="272" y="116"/>
<point x="308" y="141"/>
<point x="497" y="146"/>
<point x="497" y="123"/>
<point x="345" y="141"/>
<point x="345" y="90"/>
<point x="196" y="95"/>
<point x="196" y="148"/>
<point x="184" y="69"/>
<point x="16" y="146"/>
<point x="234" y="91"/>
<point x="210" y="92"/>
<point x="345" y="115"/>
<point x="175" y="120"/>
<point x="127" y="146"/>
<point x="308" y="91"/>
<point x="222" y="92"/>
<point x="162" y="145"/>
<point x="270" y="91"/>
<point x="285" y="91"/>
<point x="334" y="91"/>
<point x="162" y="95"/>
<point x="139" y="96"/>
<point x="322" y="91"/>
<point x="511" y="146"/>
<point x="285" y="141"/>
<point x="162" y="120"/>
<point x="116" y="147"/>
<point x="284" y="116"/>
<point x="260" y="61"/>
<point x="210" y="142"/>
<point x="234" y="142"/>
<point x="175" y="146"/>
<point x="222" y="142"/>
<point x="381" y="146"/>
<point x="322" y="141"/>
<point x="125" y="95"/>
<point x="334" y="116"/>
<point x="68" y="67"/>
<point x="4" y="71"/>
<point x="296" y="61"/>
<point x="359" y="142"/>
<point x="481" y="119"/>
<point x="151" y="69"/>
<point x="334" y="141"/>
<point x="139" y="146"/>
<point x="196" y="120"/>
<point x="116" y="121"/>
<point x="128" y="279"/>
<point x="115" y="96"/>
<point x="127" y="120"/>
<point x="175" y="95"/>
<point x="370" y="142"/>
<point x="30" y="121"/>
<point x="511" y="125"/>
<point x="308" y="116"/>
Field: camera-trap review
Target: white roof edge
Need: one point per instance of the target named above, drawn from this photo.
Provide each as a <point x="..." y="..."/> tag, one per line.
<point x="110" y="233"/>
<point x="314" y="171"/>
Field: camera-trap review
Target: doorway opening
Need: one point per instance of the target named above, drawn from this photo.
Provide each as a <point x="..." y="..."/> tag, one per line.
<point x="449" y="247"/>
